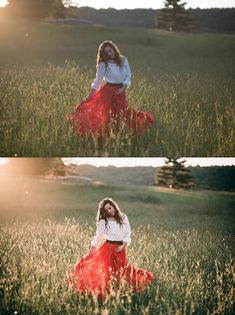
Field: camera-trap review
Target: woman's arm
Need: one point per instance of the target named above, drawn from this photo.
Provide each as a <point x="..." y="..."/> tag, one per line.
<point x="100" y="72"/>
<point x="127" y="235"/>
<point x="127" y="81"/>
<point x="98" y="238"/>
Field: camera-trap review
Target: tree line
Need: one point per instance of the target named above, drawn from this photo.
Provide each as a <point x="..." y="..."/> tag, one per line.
<point x="202" y="20"/>
<point x="173" y="16"/>
<point x="173" y="173"/>
<point x="35" y="8"/>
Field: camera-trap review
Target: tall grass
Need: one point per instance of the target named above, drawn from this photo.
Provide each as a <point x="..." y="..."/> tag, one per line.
<point x="185" y="81"/>
<point x="185" y="240"/>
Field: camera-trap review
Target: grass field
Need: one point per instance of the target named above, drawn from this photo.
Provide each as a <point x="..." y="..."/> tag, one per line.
<point x="186" y="81"/>
<point x="185" y="239"/>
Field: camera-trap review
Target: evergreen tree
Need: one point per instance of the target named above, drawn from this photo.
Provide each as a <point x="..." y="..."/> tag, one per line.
<point x="174" y="175"/>
<point x="174" y="16"/>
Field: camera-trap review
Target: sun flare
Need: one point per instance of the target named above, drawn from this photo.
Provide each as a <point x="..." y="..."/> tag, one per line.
<point x="3" y="3"/>
<point x="3" y="161"/>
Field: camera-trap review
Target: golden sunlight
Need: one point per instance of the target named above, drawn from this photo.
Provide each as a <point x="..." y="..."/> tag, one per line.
<point x="3" y="3"/>
<point x="3" y="161"/>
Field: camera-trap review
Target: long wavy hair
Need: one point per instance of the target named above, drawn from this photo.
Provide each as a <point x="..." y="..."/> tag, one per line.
<point x="102" y="213"/>
<point x="101" y="55"/>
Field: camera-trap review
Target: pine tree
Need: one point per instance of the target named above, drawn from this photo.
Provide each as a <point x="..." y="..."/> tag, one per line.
<point x="174" y="16"/>
<point x="174" y="175"/>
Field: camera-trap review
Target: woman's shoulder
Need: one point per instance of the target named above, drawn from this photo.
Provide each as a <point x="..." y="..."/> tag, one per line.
<point x="101" y="222"/>
<point x="125" y="217"/>
<point x="101" y="65"/>
<point x="124" y="59"/>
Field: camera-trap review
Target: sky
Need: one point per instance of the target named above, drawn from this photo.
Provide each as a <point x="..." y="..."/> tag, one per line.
<point x="155" y="162"/>
<point x="154" y="4"/>
<point x="3" y="3"/>
<point x="131" y="162"/>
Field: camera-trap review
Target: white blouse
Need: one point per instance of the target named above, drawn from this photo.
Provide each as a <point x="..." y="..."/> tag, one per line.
<point x="113" y="232"/>
<point x="113" y="74"/>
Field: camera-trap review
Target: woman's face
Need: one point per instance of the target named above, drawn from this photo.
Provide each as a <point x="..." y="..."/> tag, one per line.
<point x="109" y="209"/>
<point x="109" y="52"/>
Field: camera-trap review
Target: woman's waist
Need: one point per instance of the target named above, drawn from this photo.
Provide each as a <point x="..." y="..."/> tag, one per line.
<point x="114" y="83"/>
<point x="113" y="241"/>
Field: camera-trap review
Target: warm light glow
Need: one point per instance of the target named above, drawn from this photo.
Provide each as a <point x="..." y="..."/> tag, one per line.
<point x="3" y="161"/>
<point x="3" y="3"/>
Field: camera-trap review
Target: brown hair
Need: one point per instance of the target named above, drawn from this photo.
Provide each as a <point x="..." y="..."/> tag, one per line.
<point x="102" y="213"/>
<point x="101" y="56"/>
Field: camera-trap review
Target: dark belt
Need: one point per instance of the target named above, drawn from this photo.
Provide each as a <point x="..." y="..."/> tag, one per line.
<point x="114" y="242"/>
<point x="114" y="84"/>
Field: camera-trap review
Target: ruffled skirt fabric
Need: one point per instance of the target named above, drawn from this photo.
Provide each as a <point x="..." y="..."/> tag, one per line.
<point x="105" y="111"/>
<point x="106" y="270"/>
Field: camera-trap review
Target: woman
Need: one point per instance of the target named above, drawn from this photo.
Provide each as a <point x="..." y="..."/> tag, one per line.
<point x="103" y="110"/>
<point x="105" y="267"/>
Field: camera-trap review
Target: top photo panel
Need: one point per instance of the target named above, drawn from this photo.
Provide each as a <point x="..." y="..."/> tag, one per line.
<point x="116" y="82"/>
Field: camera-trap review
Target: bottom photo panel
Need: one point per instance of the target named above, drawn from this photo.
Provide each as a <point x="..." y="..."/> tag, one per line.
<point x="117" y="235"/>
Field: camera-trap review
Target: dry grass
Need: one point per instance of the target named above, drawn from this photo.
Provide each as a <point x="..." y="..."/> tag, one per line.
<point x="186" y="241"/>
<point x="185" y="82"/>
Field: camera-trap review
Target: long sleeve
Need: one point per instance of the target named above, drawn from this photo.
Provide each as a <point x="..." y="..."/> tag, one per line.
<point x="127" y="80"/>
<point x="127" y="235"/>
<point x="97" y="240"/>
<point x="100" y="72"/>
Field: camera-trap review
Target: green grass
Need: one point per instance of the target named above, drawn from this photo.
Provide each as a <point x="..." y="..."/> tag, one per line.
<point x="184" y="80"/>
<point x="185" y="239"/>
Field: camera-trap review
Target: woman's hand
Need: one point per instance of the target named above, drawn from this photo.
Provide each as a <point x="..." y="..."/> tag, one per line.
<point x="120" y="90"/>
<point x="85" y="256"/>
<point x="120" y="248"/>
<point x="91" y="251"/>
<point x="86" y="98"/>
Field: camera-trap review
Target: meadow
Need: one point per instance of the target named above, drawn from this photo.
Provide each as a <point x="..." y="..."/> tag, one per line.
<point x="186" y="81"/>
<point x="186" y="239"/>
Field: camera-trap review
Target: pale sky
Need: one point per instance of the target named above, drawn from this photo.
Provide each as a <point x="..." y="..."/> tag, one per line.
<point x="3" y="161"/>
<point x="3" y="3"/>
<point x="154" y="4"/>
<point x="155" y="162"/>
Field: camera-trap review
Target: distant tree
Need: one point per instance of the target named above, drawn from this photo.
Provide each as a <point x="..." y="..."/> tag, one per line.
<point x="57" y="9"/>
<point x="174" y="16"/>
<point x="174" y="175"/>
<point x="214" y="20"/>
<point x="214" y="177"/>
<point x="36" y="8"/>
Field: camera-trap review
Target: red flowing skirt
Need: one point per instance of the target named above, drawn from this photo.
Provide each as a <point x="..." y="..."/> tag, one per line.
<point x="106" y="270"/>
<point x="105" y="111"/>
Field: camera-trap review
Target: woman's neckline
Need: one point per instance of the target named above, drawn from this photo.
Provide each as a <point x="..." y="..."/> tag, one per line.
<point x="113" y="62"/>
